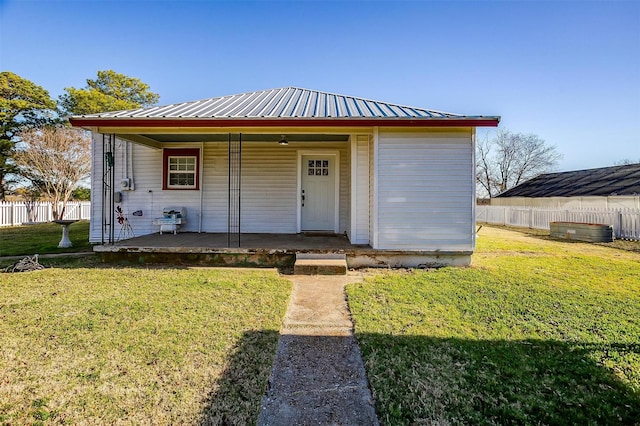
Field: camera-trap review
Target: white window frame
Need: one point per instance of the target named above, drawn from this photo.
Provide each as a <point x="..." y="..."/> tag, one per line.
<point x="194" y="171"/>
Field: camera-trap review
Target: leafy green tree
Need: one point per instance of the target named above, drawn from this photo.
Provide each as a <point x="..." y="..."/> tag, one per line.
<point x="81" y="193"/>
<point x="23" y="105"/>
<point x="111" y="91"/>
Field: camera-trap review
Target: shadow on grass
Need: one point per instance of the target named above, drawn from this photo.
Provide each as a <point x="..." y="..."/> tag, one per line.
<point x="236" y="397"/>
<point x="420" y="380"/>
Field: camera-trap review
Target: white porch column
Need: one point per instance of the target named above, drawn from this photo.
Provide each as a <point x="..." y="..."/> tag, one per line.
<point x="360" y="192"/>
<point x="373" y="176"/>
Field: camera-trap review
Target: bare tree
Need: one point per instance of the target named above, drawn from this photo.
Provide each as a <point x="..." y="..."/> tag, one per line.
<point x="55" y="160"/>
<point x="31" y="195"/>
<point x="484" y="168"/>
<point x="626" y="162"/>
<point x="510" y="159"/>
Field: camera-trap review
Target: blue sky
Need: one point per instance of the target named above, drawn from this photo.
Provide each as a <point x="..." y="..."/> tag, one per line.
<point x="568" y="71"/>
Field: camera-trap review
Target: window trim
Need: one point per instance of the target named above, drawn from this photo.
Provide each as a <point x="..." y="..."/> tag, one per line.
<point x="179" y="152"/>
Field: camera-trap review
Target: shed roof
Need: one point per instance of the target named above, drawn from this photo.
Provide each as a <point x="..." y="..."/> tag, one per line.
<point x="605" y="181"/>
<point x="278" y="105"/>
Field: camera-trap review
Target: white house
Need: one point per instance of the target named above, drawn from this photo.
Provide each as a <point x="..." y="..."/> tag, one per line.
<point x="391" y="178"/>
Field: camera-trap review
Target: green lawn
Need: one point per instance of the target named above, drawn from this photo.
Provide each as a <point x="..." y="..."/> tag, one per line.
<point x="84" y="343"/>
<point x="42" y="238"/>
<point x="536" y="332"/>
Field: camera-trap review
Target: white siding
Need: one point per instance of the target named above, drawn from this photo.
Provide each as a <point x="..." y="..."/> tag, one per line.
<point x="269" y="194"/>
<point x="147" y="196"/>
<point x="349" y="181"/>
<point x="360" y="190"/>
<point x="96" y="189"/>
<point x="147" y="180"/>
<point x="373" y="217"/>
<point x="215" y="182"/>
<point x="269" y="188"/>
<point x="425" y="186"/>
<point x="345" y="189"/>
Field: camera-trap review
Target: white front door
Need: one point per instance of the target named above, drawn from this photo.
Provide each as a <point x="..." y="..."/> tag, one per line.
<point x="318" y="204"/>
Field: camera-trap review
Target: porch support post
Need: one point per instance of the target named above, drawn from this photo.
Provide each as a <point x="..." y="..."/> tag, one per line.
<point x="360" y="189"/>
<point x="354" y="188"/>
<point x="473" y="185"/>
<point x="201" y="165"/>
<point x="108" y="184"/>
<point x="234" y="190"/>
<point x="374" y="190"/>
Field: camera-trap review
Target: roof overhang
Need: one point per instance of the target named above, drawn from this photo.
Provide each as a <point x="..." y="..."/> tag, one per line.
<point x="89" y="122"/>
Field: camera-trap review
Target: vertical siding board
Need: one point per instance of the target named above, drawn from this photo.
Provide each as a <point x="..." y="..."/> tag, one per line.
<point x="352" y="193"/>
<point x="373" y="188"/>
<point x="425" y="190"/>
<point x="362" y="190"/>
<point x="96" y="188"/>
<point x="345" y="190"/>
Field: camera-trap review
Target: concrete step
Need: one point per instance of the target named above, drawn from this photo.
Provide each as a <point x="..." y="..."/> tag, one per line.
<point x="320" y="264"/>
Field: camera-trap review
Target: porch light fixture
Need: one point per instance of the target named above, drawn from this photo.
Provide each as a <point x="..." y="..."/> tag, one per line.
<point x="283" y="141"/>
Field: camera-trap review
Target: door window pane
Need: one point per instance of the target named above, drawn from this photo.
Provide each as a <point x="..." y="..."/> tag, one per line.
<point x="318" y="168"/>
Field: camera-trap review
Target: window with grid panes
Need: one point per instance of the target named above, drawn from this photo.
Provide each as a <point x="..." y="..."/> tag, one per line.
<point x="181" y="168"/>
<point x="182" y="172"/>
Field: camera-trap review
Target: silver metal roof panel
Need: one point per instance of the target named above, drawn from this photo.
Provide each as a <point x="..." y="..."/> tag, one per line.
<point x="287" y="102"/>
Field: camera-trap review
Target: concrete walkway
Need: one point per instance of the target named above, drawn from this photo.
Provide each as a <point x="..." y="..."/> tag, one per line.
<point x="318" y="376"/>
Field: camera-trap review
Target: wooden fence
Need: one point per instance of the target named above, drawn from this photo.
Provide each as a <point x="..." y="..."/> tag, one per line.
<point x="19" y="213"/>
<point x="625" y="222"/>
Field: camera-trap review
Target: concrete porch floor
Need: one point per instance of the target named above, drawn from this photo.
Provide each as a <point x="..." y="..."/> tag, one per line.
<point x="262" y="250"/>
<point x="320" y="243"/>
<point x="265" y="250"/>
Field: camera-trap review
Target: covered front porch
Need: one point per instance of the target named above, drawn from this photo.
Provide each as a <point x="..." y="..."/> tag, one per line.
<point x="250" y="183"/>
<point x="263" y="250"/>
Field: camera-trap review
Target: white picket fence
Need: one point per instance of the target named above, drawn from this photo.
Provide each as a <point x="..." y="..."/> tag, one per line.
<point x="18" y="213"/>
<point x="625" y="222"/>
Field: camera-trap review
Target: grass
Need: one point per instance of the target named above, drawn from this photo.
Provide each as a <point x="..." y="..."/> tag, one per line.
<point x="536" y="332"/>
<point x="42" y="238"/>
<point x="628" y="245"/>
<point x="87" y="344"/>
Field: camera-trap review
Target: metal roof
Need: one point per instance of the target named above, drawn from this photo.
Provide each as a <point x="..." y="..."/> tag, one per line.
<point x="284" y="103"/>
<point x="605" y="181"/>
